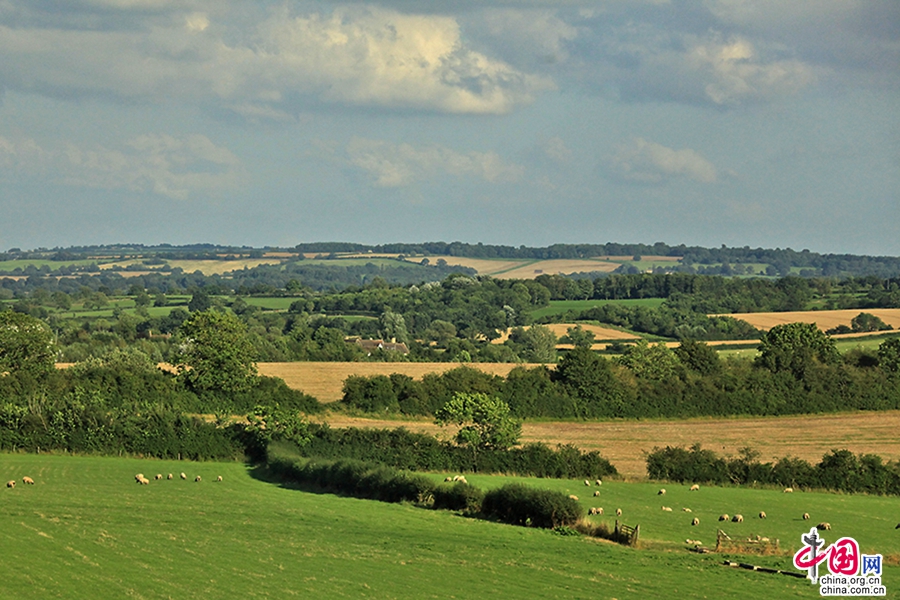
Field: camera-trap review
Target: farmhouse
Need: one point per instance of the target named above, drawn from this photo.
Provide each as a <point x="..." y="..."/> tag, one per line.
<point x="371" y="346"/>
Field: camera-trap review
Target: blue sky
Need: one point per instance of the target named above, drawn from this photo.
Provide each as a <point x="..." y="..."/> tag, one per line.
<point x="738" y="122"/>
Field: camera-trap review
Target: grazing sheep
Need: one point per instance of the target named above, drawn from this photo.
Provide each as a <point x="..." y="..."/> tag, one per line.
<point x="11" y="484"/>
<point x="695" y="488"/>
<point x="138" y="477"/>
<point x="28" y="480"/>
<point x="686" y="509"/>
<point x="724" y="517"/>
<point x="462" y="479"/>
<point x="144" y="481"/>
<point x="573" y="497"/>
<point x="595" y="510"/>
<point x="737" y="519"/>
<point x="457" y="477"/>
<point x="762" y="514"/>
<point x="597" y="493"/>
<point x="667" y="508"/>
<point x="824" y="526"/>
<point x="598" y="482"/>
<point x="693" y="542"/>
<point x="158" y="476"/>
<point x="197" y="478"/>
<point x="587" y="483"/>
<point x="618" y="512"/>
<point x="183" y="476"/>
<point x="695" y="521"/>
<point x="789" y="490"/>
<point x="661" y="492"/>
<point x="170" y="476"/>
<point x="447" y="478"/>
<point x="219" y="478"/>
<point x="806" y="516"/>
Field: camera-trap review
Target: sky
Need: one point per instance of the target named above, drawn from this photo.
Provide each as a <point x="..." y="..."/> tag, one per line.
<point x="761" y="123"/>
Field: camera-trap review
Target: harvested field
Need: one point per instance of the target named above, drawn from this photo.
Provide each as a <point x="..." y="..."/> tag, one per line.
<point x="624" y="442"/>
<point x="644" y="257"/>
<point x="824" y="319"/>
<point x="600" y="333"/>
<point x="325" y="380"/>
<point x="218" y="267"/>
<point x="561" y="266"/>
<point x="484" y="266"/>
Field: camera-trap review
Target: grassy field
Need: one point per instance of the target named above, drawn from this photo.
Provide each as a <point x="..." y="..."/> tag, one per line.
<point x="86" y="530"/>
<point x="558" y="307"/>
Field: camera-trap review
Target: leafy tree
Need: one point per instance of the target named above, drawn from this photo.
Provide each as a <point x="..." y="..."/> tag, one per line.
<point x="590" y="381"/>
<point x="868" y="322"/>
<point x="216" y="353"/>
<point x="200" y="302"/>
<point x="142" y="299"/>
<point x="393" y="326"/>
<point x="889" y="355"/>
<point x="538" y="343"/>
<point x="26" y="345"/>
<point x="698" y="357"/>
<point x="485" y="421"/>
<point x="654" y="362"/>
<point x="580" y="337"/>
<point x="794" y="347"/>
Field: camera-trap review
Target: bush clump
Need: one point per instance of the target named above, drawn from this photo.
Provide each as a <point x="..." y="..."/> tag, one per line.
<point x="458" y="496"/>
<point x="530" y="507"/>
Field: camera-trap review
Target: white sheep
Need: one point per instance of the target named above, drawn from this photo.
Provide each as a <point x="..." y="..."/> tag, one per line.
<point x="789" y="490"/>
<point x="158" y="476"/>
<point x="144" y="481"/>
<point x="598" y="482"/>
<point x="183" y="476"/>
<point x="573" y="497"/>
<point x="762" y="514"/>
<point x="595" y="510"/>
<point x="28" y="480"/>
<point x="661" y="492"/>
<point x="686" y="509"/>
<point x="695" y="488"/>
<point x="447" y="478"/>
<point x="695" y="521"/>
<point x="618" y="512"/>
<point x="737" y="519"/>
<point x="823" y="526"/>
<point x="724" y="517"/>
<point x="806" y="516"/>
<point x="197" y="478"/>
<point x="596" y="493"/>
<point x="587" y="483"/>
<point x="138" y="477"/>
<point x="219" y="478"/>
<point x="170" y="476"/>
<point x="11" y="483"/>
<point x="667" y="508"/>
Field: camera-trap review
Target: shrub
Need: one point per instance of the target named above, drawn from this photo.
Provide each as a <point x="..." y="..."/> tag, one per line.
<point x="458" y="496"/>
<point x="530" y="507"/>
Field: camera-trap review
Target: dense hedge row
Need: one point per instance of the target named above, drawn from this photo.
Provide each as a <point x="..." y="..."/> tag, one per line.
<point x="516" y="503"/>
<point x="403" y="449"/>
<point x="588" y="386"/>
<point x="839" y="470"/>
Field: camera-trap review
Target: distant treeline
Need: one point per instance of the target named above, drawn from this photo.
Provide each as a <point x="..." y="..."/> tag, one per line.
<point x="839" y="470"/>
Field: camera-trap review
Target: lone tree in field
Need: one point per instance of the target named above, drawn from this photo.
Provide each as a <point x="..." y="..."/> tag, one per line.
<point x="485" y="422"/>
<point x="26" y="345"/>
<point x="216" y="354"/>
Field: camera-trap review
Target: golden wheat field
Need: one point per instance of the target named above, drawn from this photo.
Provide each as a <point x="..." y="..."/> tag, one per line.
<point x="559" y="266"/>
<point x="325" y="380"/>
<point x="824" y="319"/>
<point x="624" y="443"/>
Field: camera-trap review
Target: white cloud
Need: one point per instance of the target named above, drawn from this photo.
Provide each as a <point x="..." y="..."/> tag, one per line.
<point x="162" y="164"/>
<point x="361" y="56"/>
<point x="397" y="165"/>
<point x="643" y="161"/>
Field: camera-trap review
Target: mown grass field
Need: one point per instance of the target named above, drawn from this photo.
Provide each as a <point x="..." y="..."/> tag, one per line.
<point x="86" y="530"/>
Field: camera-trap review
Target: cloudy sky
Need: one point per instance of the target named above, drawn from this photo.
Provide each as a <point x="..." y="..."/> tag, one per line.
<point x="767" y="123"/>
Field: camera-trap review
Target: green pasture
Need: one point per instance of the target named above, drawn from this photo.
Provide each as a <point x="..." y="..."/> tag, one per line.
<point x="87" y="530"/>
<point x="558" y="307"/>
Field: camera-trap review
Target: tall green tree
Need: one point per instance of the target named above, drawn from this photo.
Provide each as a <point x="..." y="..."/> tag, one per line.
<point x="484" y="421"/>
<point x="215" y="353"/>
<point x="794" y="347"/>
<point x="26" y="345"/>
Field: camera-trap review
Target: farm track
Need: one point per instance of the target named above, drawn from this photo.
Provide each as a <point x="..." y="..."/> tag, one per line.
<point x="624" y="442"/>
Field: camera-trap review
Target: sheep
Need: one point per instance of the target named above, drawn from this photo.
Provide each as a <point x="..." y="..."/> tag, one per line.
<point x="598" y="482"/>
<point x="447" y="478"/>
<point x="138" y="477"/>
<point x="144" y="481"/>
<point x="183" y="476"/>
<point x="762" y="514"/>
<point x="595" y="510"/>
<point x="462" y="480"/>
<point x="28" y="480"/>
<point x="695" y="488"/>
<point x="587" y="483"/>
<point x="170" y="476"/>
<point x="824" y="526"/>
<point x="11" y="483"/>
<point x="789" y="490"/>
<point x="158" y="476"/>
<point x="693" y="542"/>
<point x="686" y="509"/>
<point x="667" y="508"/>
<point x="737" y="519"/>
<point x="618" y="512"/>
<point x="573" y="497"/>
<point x="695" y="521"/>
<point x="806" y="516"/>
<point x="724" y="517"/>
<point x="197" y="478"/>
<point x="661" y="492"/>
<point x="219" y="478"/>
<point x="597" y="493"/>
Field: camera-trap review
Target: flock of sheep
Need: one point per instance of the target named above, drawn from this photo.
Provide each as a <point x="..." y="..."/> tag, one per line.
<point x="26" y="480"/>
<point x="823" y="526"/>
<point x="139" y="478"/>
